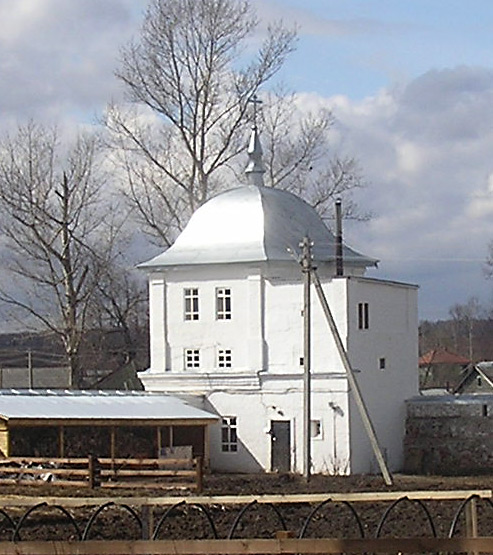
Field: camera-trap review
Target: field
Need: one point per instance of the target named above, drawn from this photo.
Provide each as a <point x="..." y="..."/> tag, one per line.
<point x="191" y="521"/>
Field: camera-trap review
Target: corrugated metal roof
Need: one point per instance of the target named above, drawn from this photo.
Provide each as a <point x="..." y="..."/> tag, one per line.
<point x="251" y="224"/>
<point x="97" y="405"/>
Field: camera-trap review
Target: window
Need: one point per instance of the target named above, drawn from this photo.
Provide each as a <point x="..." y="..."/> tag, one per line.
<point x="382" y="363"/>
<point x="192" y="358"/>
<point x="224" y="358"/>
<point x="363" y="316"/>
<point x="223" y="303"/>
<point x="315" y="428"/>
<point x="229" y="438"/>
<point x="191" y="299"/>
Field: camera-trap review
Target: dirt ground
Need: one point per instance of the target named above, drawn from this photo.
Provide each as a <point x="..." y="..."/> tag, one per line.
<point x="258" y="520"/>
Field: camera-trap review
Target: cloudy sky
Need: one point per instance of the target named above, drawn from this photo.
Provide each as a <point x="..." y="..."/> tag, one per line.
<point x="410" y="83"/>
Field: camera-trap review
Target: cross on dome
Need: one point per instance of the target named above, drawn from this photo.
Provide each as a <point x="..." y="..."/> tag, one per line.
<point x="255" y="169"/>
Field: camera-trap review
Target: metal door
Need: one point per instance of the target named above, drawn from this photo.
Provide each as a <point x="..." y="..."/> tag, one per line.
<point x="280" y="443"/>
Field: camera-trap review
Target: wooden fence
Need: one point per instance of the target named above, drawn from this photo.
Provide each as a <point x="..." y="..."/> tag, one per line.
<point x="280" y="546"/>
<point x="103" y="472"/>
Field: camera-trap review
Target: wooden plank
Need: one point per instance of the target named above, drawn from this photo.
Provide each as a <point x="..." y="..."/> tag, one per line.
<point x="27" y="482"/>
<point x="44" y="460"/>
<point x="147" y="485"/>
<point x="38" y="471"/>
<point x="149" y="472"/>
<point x="27" y="501"/>
<point x="286" y="546"/>
<point x="157" y="462"/>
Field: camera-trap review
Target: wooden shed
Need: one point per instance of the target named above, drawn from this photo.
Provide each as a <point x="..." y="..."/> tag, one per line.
<point x="116" y="424"/>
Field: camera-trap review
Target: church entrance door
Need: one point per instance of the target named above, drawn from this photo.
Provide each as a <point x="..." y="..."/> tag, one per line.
<point x="280" y="442"/>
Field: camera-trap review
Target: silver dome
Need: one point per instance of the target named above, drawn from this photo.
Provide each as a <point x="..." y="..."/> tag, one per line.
<point x="253" y="224"/>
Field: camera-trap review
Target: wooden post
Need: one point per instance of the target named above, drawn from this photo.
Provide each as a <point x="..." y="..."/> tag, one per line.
<point x="285" y="534"/>
<point x="159" y="441"/>
<point x="30" y="368"/>
<point x="93" y="471"/>
<point x="147" y="522"/>
<point x="113" y="442"/>
<point x="199" y="468"/>
<point x="471" y="511"/>
<point x="61" y="442"/>
<point x="306" y="263"/>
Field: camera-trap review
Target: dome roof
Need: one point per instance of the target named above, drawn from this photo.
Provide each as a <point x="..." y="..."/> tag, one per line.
<point x="252" y="224"/>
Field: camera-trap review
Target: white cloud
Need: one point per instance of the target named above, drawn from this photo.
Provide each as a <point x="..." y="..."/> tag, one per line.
<point x="57" y="58"/>
<point x="427" y="150"/>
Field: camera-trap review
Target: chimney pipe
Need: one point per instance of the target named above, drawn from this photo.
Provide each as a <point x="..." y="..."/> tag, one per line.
<point x="339" y="257"/>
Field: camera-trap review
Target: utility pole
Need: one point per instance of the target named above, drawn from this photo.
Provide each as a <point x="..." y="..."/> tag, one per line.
<point x="367" y="423"/>
<point x="30" y="368"/>
<point x="306" y="264"/>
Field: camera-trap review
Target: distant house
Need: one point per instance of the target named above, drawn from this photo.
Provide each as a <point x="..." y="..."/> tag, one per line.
<point x="38" y="361"/>
<point x="441" y="369"/>
<point x="477" y="378"/>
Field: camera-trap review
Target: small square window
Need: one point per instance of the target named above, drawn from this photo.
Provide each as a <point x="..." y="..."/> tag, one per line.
<point x="223" y="303"/>
<point x="192" y="358"/>
<point x="224" y="358"/>
<point x="315" y="428"/>
<point x="191" y="303"/>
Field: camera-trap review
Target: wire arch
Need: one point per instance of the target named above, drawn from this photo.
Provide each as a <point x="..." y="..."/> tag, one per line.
<point x="182" y="504"/>
<point x="402" y="500"/>
<point x="100" y="509"/>
<point x="323" y="504"/>
<point x="16" y="535"/>
<point x="462" y="506"/>
<point x="246" y="508"/>
<point x="8" y="518"/>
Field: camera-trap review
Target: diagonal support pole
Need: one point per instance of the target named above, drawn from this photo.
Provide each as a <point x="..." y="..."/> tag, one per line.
<point x="370" y="431"/>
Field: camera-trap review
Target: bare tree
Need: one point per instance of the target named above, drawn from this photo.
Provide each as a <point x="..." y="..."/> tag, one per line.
<point x="464" y="318"/>
<point x="58" y="229"/>
<point x="190" y="88"/>
<point x="300" y="158"/>
<point x="120" y="303"/>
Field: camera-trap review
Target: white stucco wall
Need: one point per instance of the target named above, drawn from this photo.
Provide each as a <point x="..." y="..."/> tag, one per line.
<point x="254" y="412"/>
<point x="265" y="335"/>
<point x="392" y="335"/>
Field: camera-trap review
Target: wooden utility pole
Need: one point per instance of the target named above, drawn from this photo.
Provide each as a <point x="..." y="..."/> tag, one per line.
<point x="30" y="368"/>
<point x="352" y="380"/>
<point x="306" y="264"/>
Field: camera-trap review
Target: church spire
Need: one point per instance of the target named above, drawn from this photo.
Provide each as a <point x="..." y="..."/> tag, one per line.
<point x="255" y="168"/>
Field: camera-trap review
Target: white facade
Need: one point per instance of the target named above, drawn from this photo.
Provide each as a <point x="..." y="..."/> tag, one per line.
<point x="260" y="381"/>
<point x="226" y="324"/>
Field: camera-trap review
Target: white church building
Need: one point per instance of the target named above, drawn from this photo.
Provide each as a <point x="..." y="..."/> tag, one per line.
<point x="226" y="332"/>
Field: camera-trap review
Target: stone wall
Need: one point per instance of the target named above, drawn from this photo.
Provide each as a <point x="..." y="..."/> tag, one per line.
<point x="449" y="435"/>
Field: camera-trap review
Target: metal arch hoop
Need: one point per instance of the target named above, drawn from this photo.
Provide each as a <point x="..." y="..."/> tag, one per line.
<point x="182" y="504"/>
<point x="399" y="501"/>
<point x="8" y="519"/>
<point x="248" y="507"/>
<point x="326" y="502"/>
<point x="455" y="520"/>
<point x="16" y="536"/>
<point x="100" y="509"/>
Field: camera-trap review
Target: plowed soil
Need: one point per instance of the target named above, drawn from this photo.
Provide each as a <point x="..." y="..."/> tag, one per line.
<point x="329" y="519"/>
